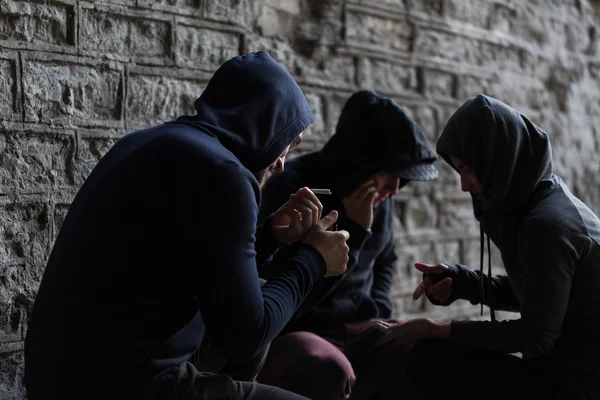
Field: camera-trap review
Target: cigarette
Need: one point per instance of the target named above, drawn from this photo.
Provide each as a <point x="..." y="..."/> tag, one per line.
<point x="320" y="191"/>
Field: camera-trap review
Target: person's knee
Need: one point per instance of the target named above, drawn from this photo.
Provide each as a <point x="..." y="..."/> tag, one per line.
<point x="309" y="365"/>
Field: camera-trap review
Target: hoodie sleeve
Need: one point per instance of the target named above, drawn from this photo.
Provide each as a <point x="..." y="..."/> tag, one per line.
<point x="384" y="270"/>
<point x="275" y="193"/>
<point x="547" y="258"/>
<point x="241" y="316"/>
<point x="466" y="286"/>
<point x="266" y="244"/>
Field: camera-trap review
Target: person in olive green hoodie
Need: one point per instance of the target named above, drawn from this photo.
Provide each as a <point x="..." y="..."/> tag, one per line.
<point x="550" y="246"/>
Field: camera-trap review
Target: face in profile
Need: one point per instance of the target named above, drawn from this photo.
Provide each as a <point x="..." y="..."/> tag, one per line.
<point x="386" y="185"/>
<point x="279" y="164"/>
<point x="468" y="180"/>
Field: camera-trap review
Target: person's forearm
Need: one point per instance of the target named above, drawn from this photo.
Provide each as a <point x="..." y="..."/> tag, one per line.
<point x="441" y="330"/>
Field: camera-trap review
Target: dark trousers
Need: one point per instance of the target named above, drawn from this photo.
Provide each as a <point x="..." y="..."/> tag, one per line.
<point x="210" y="376"/>
<point x="438" y="369"/>
<point x="187" y="383"/>
<point x="351" y="361"/>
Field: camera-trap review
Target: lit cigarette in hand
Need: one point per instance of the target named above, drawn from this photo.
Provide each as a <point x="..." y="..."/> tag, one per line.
<point x="320" y="191"/>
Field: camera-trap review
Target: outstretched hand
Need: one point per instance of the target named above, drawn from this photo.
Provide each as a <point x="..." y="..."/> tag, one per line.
<point x="437" y="290"/>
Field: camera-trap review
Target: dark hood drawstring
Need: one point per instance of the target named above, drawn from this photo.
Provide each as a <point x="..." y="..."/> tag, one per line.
<point x="482" y="291"/>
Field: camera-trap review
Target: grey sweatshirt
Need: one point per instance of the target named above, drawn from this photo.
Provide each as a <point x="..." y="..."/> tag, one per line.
<point x="550" y="245"/>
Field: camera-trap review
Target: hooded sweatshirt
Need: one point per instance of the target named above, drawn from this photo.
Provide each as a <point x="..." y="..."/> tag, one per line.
<point x="373" y="134"/>
<point x="158" y="247"/>
<point x="550" y="246"/>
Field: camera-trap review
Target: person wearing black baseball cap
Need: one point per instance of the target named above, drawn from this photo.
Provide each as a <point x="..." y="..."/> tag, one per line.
<point x="333" y="339"/>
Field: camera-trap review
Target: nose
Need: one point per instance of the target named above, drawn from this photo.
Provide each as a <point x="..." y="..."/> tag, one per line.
<point x="465" y="185"/>
<point x="279" y="165"/>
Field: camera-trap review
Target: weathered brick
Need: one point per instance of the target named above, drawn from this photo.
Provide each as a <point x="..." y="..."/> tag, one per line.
<point x="317" y="130"/>
<point x="280" y="50"/>
<point x="421" y="213"/>
<point x="123" y="35"/>
<point x="457" y="216"/>
<point x="426" y="118"/>
<point x="8" y="87"/>
<point x="429" y="7"/>
<point x="443" y="45"/>
<point x="90" y="151"/>
<point x="327" y="69"/>
<point x="396" y="5"/>
<point x="274" y="22"/>
<point x="205" y="48"/>
<point x="407" y="276"/>
<point x="389" y="78"/>
<point x="334" y="104"/>
<point x="379" y="33"/>
<point x="470" y="86"/>
<point x="37" y="22"/>
<point x="60" y="213"/>
<point x="472" y="12"/>
<point x="35" y="163"/>
<point x="445" y="252"/>
<point x="531" y="94"/>
<point x="24" y="233"/>
<point x="324" y="68"/>
<point x="288" y="6"/>
<point x="438" y="83"/>
<point x="156" y="99"/>
<point x="471" y="256"/>
<point x="174" y="3"/>
<point x="239" y="12"/>
<point x="55" y="92"/>
<point x="11" y="375"/>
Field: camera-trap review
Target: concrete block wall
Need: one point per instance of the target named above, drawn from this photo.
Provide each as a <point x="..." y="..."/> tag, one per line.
<point x="76" y="75"/>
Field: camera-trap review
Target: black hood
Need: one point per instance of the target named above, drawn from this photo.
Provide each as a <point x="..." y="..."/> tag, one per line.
<point x="509" y="155"/>
<point x="373" y="134"/>
<point x="254" y="107"/>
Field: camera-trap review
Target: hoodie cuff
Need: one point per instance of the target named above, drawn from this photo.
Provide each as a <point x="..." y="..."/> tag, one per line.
<point x="265" y="238"/>
<point x="311" y="258"/>
<point x="358" y="235"/>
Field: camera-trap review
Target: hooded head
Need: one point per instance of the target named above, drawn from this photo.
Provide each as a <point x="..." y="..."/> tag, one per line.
<point x="508" y="154"/>
<point x="375" y="134"/>
<point x="254" y="107"/>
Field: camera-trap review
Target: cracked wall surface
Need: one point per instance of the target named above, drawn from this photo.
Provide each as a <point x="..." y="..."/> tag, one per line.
<point x="76" y="75"/>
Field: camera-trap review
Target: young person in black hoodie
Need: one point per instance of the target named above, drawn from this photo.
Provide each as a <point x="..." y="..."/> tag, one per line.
<point x="158" y="251"/>
<point x="377" y="149"/>
<point x="550" y="245"/>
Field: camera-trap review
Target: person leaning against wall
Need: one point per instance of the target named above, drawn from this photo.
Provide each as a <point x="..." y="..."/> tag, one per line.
<point x="550" y="246"/>
<point x="332" y="349"/>
<point x="159" y="251"/>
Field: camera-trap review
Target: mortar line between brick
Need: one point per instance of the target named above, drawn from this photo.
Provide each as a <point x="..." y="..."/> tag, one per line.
<point x="22" y="86"/>
<point x="77" y="25"/>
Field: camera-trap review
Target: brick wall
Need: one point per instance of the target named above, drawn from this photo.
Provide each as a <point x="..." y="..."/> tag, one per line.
<point x="76" y="75"/>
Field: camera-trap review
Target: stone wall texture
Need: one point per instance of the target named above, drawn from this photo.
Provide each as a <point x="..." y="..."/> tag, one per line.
<point x="76" y="75"/>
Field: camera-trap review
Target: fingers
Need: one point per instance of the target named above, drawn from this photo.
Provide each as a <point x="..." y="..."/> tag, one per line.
<point x="384" y="325"/>
<point x="372" y="197"/>
<point x="345" y="235"/>
<point x="441" y="291"/>
<point x="306" y="194"/>
<point x="422" y="288"/>
<point x="431" y="269"/>
<point x="310" y="210"/>
<point x="326" y="222"/>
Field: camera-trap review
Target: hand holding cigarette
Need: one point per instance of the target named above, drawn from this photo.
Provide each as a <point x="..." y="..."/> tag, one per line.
<point x="293" y="220"/>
